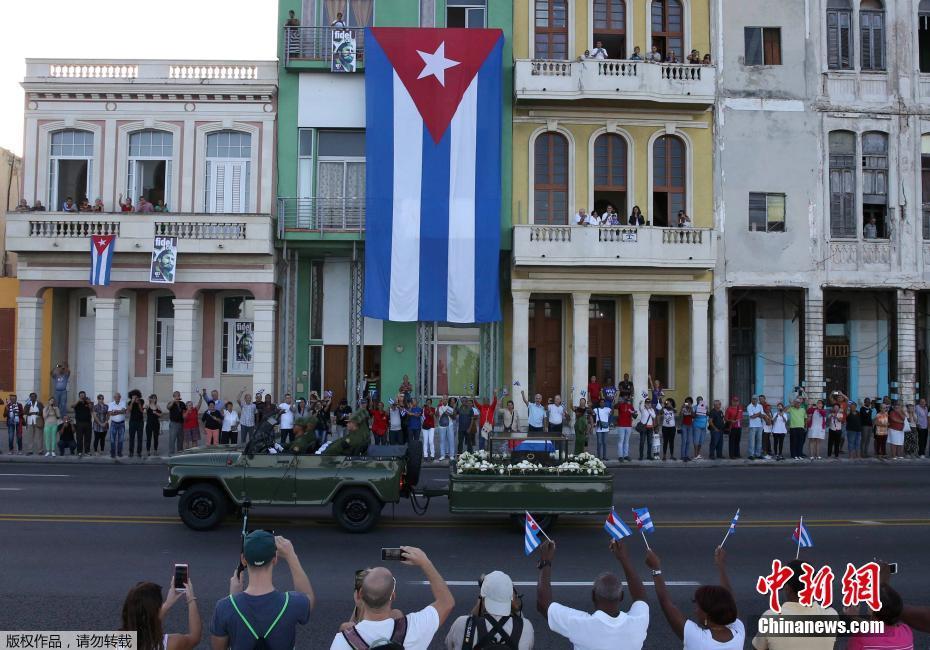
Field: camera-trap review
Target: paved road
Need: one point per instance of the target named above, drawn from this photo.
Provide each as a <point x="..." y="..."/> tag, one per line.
<point x="76" y="537"/>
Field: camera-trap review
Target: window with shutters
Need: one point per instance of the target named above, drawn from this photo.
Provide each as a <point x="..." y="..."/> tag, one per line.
<point x="839" y="35"/>
<point x="70" y="167"/>
<point x="842" y="185"/>
<point x="610" y="27"/>
<point x="875" y="184"/>
<point x="923" y="35"/>
<point x="669" y="193"/>
<point x="872" y="35"/>
<point x="164" y="334"/>
<point x="149" y="174"/>
<point x="550" y="174"/>
<point x="227" y="173"/>
<point x="668" y="19"/>
<point x="610" y="164"/>
<point x="925" y="184"/>
<point x="7" y="348"/>
<point x="763" y="45"/>
<point x="551" y="34"/>
<point x="766" y="212"/>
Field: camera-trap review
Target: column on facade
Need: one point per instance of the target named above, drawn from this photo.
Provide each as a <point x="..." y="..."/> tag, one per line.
<point x="640" y="342"/>
<point x="721" y="351"/>
<point x="106" y="345"/>
<point x="28" y="345"/>
<point x="906" y="345"/>
<point x="580" y="304"/>
<point x="520" y="349"/>
<point x="813" y="343"/>
<point x="185" y="352"/>
<point x="699" y="345"/>
<point x="264" y="352"/>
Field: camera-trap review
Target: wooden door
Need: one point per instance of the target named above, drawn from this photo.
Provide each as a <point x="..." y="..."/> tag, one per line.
<point x="545" y="348"/>
<point x="335" y="366"/>
<point x="658" y="341"/>
<point x="743" y="350"/>
<point x="602" y="327"/>
<point x="7" y="348"/>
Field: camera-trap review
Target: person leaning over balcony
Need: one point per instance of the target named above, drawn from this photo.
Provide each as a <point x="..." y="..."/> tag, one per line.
<point x="599" y="52"/>
<point x="581" y="219"/>
<point x="706" y="60"/>
<point x="69" y="206"/>
<point x="37" y="206"/>
<point x="22" y="206"/>
<point x="671" y="57"/>
<point x="84" y="205"/>
<point x="144" y="205"/>
<point x="636" y="56"/>
<point x="636" y="217"/>
<point x="654" y="56"/>
<point x="694" y="58"/>
<point x="684" y="221"/>
<point x="98" y="205"/>
<point x="161" y="207"/>
<point x="339" y="23"/>
<point x="124" y="206"/>
<point x="292" y="19"/>
<point x="870" y="230"/>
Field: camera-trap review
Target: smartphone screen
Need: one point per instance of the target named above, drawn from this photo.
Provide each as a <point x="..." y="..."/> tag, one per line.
<point x="893" y="568"/>
<point x="180" y="577"/>
<point x="392" y="554"/>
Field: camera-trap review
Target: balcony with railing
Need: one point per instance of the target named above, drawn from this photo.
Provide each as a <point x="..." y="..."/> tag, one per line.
<point x="321" y="216"/>
<point x="678" y="83"/>
<point x="314" y="46"/>
<point x="857" y="87"/>
<point x="60" y="232"/>
<point x="542" y="245"/>
<point x="82" y="72"/>
<point x="868" y="255"/>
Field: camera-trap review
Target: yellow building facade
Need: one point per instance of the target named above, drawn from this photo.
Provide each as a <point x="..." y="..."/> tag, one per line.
<point x="598" y="129"/>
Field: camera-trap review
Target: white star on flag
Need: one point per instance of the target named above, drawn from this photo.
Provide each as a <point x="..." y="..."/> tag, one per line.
<point x="436" y="64"/>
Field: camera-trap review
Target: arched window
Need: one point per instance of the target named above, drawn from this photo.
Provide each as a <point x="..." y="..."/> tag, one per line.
<point x="875" y="183"/>
<point x="149" y="174"/>
<point x="872" y="34"/>
<point x="839" y="35"/>
<point x="610" y="154"/>
<point x="550" y="173"/>
<point x="842" y="184"/>
<point x="70" y="167"/>
<point x="668" y="27"/>
<point x="551" y="20"/>
<point x="229" y="155"/>
<point x="669" y="193"/>
<point x="610" y="27"/>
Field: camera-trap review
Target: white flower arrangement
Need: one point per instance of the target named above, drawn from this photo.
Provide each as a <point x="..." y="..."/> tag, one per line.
<point x="480" y="462"/>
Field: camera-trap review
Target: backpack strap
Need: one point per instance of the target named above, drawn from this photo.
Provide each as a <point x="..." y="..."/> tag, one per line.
<point x="400" y="631"/>
<point x="468" y="641"/>
<point x="354" y="639"/>
<point x="497" y="629"/>
<point x="248" y="625"/>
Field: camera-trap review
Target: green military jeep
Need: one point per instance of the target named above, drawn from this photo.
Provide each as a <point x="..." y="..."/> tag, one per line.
<point x="214" y="482"/>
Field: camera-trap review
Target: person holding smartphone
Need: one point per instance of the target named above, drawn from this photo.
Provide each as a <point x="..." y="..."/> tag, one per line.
<point x="144" y="612"/>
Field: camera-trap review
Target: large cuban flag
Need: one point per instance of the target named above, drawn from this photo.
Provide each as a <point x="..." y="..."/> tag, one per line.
<point x="433" y="139"/>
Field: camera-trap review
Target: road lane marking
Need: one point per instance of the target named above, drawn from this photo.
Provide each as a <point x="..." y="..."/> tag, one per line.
<point x="528" y="583"/>
<point x="41" y="475"/>
<point x="4" y="489"/>
<point x="866" y="522"/>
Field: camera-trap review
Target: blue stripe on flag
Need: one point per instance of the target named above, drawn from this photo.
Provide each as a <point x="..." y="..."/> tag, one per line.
<point x="108" y="256"/>
<point x="379" y="178"/>
<point x="488" y="182"/>
<point x="434" y="228"/>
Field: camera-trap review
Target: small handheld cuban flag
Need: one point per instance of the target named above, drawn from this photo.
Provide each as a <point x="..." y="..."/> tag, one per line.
<point x="731" y="529"/>
<point x="644" y="520"/>
<point x="531" y="535"/>
<point x="101" y="258"/>
<point x="615" y="526"/>
<point x="802" y="537"/>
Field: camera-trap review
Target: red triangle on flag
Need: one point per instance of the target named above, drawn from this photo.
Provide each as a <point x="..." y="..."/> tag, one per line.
<point x="436" y="66"/>
<point x="102" y="242"/>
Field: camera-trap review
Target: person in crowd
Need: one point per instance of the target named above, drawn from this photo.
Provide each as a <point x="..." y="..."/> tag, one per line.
<point x="609" y="393"/>
<point x="51" y="415"/>
<point x="259" y="613"/>
<point x="84" y="205"/>
<point x="687" y="428"/>
<point x="160" y="206"/>
<point x="654" y="56"/>
<point x="66" y="436"/>
<point x="790" y="607"/>
<point x="144" y="205"/>
<point x="716" y="423"/>
<point x="880" y="426"/>
<point x="153" y="415"/>
<point x="836" y="420"/>
<point x="684" y="221"/>
<point x="22" y="206"/>
<point x="671" y="57"/>
<point x="487" y="412"/>
<point x="816" y="429"/>
<point x="100" y="425"/>
<point x="374" y="602"/>
<point x="699" y="426"/>
<point x="466" y="425"/>
<point x="175" y="409"/>
<point x="797" y="419"/>
<point x="669" y="429"/>
<point x="626" y="413"/>
<point x="921" y="413"/>
<point x="766" y="428"/>
<point x="339" y="23"/>
<point x="556" y="415"/>
<point x="61" y="375"/>
<point x="581" y="219"/>
<point x="717" y="626"/>
<point x="694" y="57"/>
<point x="657" y="394"/>
<point x="69" y="205"/>
<point x="405" y="388"/>
<point x="754" y="413"/>
<point x="98" y="205"/>
<point x="342" y="414"/>
<point x="247" y="413"/>
<point x="910" y="432"/>
<point x="897" y="420"/>
<point x="495" y="621"/>
<point x="414" y="421"/>
<point x="35" y="429"/>
<point x="379" y="422"/>
<point x="229" y="433"/>
<point x="292" y="20"/>
<point x="780" y="422"/>
<point x="37" y="206"/>
<point x="429" y="431"/>
<point x="609" y="627"/>
<point x="582" y="426"/>
<point x="594" y="390"/>
<point x="510" y="420"/>
<point x="144" y="612"/>
<point x="14" y="414"/>
<point x="870" y="230"/>
<point x="625" y="388"/>
<point x="136" y="422"/>
<point x="83" y="416"/>
<point x="321" y="410"/>
<point x="647" y="428"/>
<point x="266" y="407"/>
<point x="192" y="423"/>
<point x="897" y="634"/>
<point x="286" y="414"/>
<point x="124" y="206"/>
<point x="599" y="52"/>
<point x="853" y="430"/>
<point x="866" y="415"/>
<point x="601" y="416"/>
<point x="636" y="56"/>
<point x="536" y="412"/>
<point x="610" y="218"/>
<point x="116" y="416"/>
<point x="706" y="60"/>
<point x="212" y="419"/>
<point x="395" y="421"/>
<point x="734" y="426"/>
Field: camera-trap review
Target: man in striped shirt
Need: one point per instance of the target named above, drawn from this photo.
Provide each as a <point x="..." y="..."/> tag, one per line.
<point x="246" y="415"/>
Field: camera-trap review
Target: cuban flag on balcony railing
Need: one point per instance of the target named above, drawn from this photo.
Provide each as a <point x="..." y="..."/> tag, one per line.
<point x="101" y="258"/>
<point x="433" y="174"/>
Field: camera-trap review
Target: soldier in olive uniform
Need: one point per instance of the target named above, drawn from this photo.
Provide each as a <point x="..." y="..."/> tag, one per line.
<point x="304" y="442"/>
<point x="357" y="438"/>
<point x="582" y="427"/>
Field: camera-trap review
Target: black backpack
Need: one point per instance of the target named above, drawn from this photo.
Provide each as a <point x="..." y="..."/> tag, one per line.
<point x="495" y="638"/>
<point x="396" y="642"/>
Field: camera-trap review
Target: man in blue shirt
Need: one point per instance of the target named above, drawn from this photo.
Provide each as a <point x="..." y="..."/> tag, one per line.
<point x="466" y="416"/>
<point x="414" y="420"/>
<point x="536" y="414"/>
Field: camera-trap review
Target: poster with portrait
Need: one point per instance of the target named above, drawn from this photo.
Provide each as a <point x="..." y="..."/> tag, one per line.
<point x="343" y="50"/>
<point x="243" y="340"/>
<point x="164" y="260"/>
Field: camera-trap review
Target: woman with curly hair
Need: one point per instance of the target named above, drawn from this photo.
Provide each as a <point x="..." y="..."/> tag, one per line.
<point x="144" y="612"/>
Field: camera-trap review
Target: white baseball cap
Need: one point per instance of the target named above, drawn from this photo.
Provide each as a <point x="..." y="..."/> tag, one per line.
<point x="497" y="592"/>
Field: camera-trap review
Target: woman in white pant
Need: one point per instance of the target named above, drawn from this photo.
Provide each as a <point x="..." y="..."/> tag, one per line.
<point x="445" y="417"/>
<point x="429" y="430"/>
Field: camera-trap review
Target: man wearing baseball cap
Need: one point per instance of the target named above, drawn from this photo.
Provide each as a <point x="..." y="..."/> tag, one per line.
<point x="261" y="612"/>
<point x="496" y="618"/>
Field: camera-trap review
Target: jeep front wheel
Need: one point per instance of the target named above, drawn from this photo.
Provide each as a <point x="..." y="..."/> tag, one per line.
<point x="357" y="510"/>
<point x="202" y="506"/>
